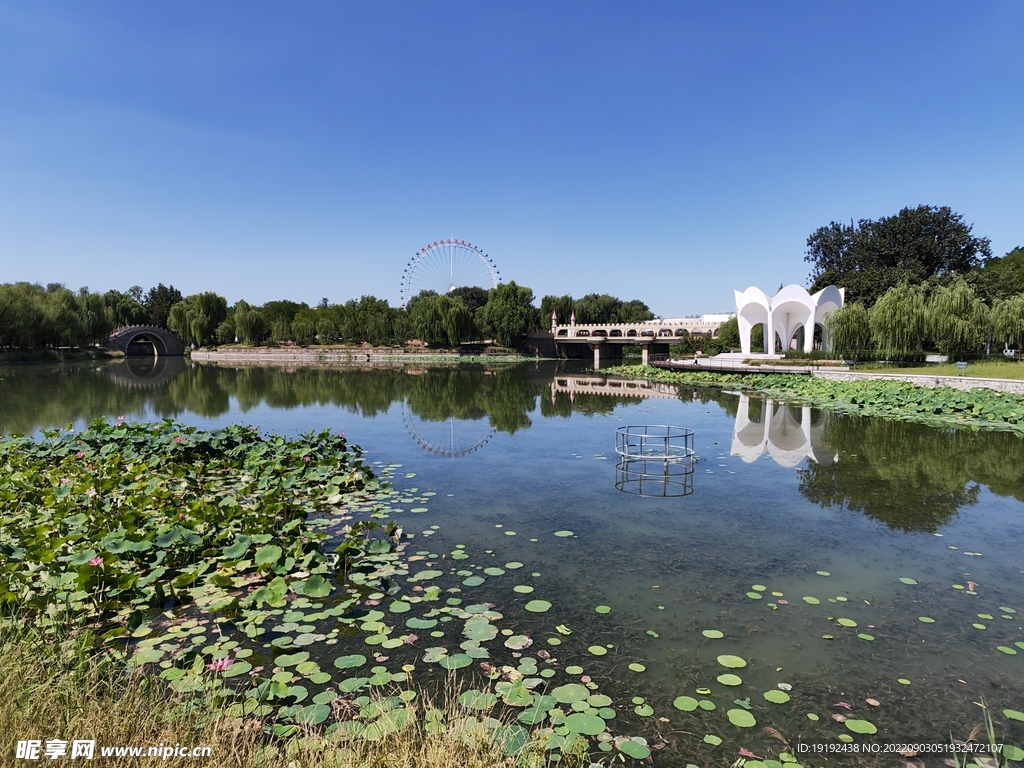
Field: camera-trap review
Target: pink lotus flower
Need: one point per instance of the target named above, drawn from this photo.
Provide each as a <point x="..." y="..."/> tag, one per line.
<point x="80" y="454"/>
<point x="179" y="439"/>
<point x="181" y="515"/>
<point x="98" y="560"/>
<point x="219" y="665"/>
<point x="91" y="493"/>
<point x="120" y="418"/>
<point x="305" y="458"/>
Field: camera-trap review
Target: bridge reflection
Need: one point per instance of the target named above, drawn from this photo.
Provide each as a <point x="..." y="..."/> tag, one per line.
<point x="788" y="433"/>
<point x="603" y="385"/>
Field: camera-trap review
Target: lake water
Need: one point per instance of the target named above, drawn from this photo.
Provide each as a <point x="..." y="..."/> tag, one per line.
<point x="783" y="499"/>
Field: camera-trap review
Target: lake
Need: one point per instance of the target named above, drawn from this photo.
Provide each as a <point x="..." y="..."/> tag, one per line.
<point x="845" y="558"/>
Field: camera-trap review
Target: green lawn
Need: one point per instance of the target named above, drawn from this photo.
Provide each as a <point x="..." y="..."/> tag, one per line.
<point x="988" y="369"/>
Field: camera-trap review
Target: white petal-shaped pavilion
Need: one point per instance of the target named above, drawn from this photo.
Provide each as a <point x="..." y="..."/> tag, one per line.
<point x="791" y="311"/>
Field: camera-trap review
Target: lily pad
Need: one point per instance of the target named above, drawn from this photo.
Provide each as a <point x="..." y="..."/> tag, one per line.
<point x="713" y="740"/>
<point x="634" y="749"/>
<point x="456" y="661"/>
<point x="480" y="700"/>
<point x="685" y="703"/>
<point x="714" y="634"/>
<point x="861" y="726"/>
<point x="563" y="534"/>
<point x="602" y="609"/>
<point x="587" y="725"/>
<point x="732" y="662"/>
<point x="847" y="622"/>
<point x="776" y="697"/>
<point x="473" y="581"/>
<point x="729" y="679"/>
<point x="637" y="667"/>
<point x="907" y="580"/>
<point x="644" y="710"/>
<point x="518" y="642"/>
<point x="523" y="589"/>
<point x="598" y="650"/>
<point x="567" y="694"/>
<point x="538" y="606"/>
<point x="1007" y="650"/>
<point x="865" y="636"/>
<point x="903" y="681"/>
<point x="707" y="705"/>
<point x="513" y="565"/>
<point x="823" y="573"/>
<point x="811" y="600"/>
<point x="1013" y="714"/>
<point x="926" y="619"/>
<point x="741" y="718"/>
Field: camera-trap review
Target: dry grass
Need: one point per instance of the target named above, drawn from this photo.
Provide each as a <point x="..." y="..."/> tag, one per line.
<point x="60" y="689"/>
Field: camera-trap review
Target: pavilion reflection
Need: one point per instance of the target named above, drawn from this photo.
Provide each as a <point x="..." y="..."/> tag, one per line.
<point x="789" y="433"/>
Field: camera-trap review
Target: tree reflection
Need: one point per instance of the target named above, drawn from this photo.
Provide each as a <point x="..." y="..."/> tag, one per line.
<point x="910" y="476"/>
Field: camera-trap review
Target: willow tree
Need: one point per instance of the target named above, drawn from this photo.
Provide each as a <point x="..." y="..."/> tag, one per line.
<point x="899" y="320"/>
<point x="847" y="329"/>
<point x="1008" y="321"/>
<point x="958" y="318"/>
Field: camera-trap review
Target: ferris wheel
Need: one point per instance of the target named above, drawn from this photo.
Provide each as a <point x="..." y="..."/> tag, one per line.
<point x="445" y="265"/>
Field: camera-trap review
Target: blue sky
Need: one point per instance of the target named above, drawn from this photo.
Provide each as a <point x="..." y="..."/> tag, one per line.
<point x="666" y="151"/>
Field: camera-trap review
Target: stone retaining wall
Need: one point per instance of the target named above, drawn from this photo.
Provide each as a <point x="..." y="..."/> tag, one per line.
<point x="314" y="355"/>
<point x="956" y="382"/>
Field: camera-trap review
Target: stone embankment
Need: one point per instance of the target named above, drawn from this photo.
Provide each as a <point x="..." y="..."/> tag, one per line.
<point x="325" y="355"/>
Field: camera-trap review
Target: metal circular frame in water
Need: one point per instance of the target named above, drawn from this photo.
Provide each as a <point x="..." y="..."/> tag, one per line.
<point x="655" y="441"/>
<point x="445" y="265"/>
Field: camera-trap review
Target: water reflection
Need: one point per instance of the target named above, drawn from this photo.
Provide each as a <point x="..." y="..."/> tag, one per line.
<point x="910" y="476"/>
<point x="788" y="433"/>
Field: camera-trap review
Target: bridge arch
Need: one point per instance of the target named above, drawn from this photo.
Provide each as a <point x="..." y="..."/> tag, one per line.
<point x="163" y="343"/>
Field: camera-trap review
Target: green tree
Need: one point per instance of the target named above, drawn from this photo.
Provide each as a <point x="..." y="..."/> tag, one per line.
<point x="959" y="320"/>
<point x="899" y="320"/>
<point x="1000" y="278"/>
<point x="1008" y="321"/>
<point x="196" y="318"/>
<point x="509" y="313"/>
<point x="912" y="246"/>
<point x="729" y="334"/>
<point x="848" y="329"/>
<point x="158" y="303"/>
<point x="249" y="325"/>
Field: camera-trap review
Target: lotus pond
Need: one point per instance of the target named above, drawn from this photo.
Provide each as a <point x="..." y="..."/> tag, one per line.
<point x="831" y="579"/>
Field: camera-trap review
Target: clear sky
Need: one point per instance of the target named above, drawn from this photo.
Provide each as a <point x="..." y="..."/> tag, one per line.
<point x="666" y="151"/>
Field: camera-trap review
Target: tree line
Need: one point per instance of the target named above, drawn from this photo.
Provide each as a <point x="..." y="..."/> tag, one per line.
<point x="918" y="280"/>
<point x="32" y="316"/>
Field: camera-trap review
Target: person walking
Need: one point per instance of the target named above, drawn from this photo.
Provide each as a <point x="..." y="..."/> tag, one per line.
<point x="696" y="359"/>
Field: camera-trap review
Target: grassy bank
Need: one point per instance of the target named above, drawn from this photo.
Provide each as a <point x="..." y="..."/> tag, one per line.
<point x="888" y="399"/>
<point x="985" y="369"/>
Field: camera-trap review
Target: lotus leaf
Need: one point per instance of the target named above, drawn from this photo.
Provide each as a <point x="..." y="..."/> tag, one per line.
<point x="861" y="726"/>
<point x="732" y="662"/>
<point x="685" y="703"/>
<point x="741" y="718"/>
